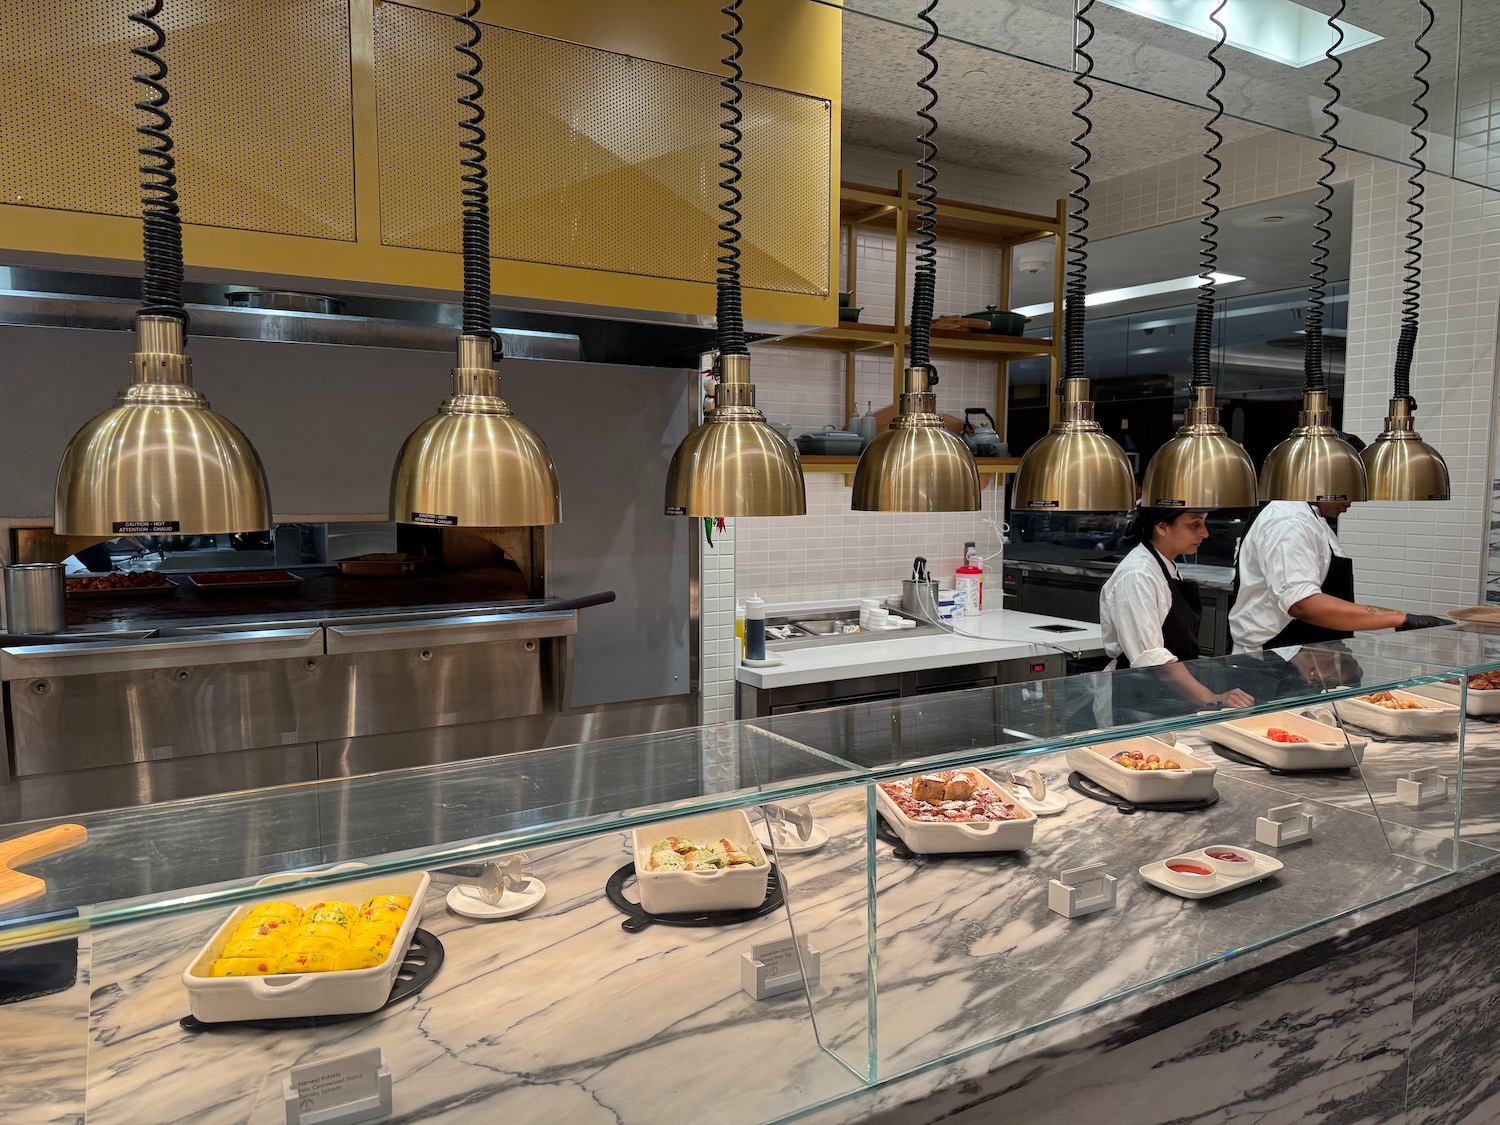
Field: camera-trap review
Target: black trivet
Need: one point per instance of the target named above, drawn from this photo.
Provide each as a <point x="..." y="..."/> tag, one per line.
<point x="39" y="970"/>
<point x="1096" y="792"/>
<point x="424" y="957"/>
<point x="1246" y="760"/>
<point x="640" y="918"/>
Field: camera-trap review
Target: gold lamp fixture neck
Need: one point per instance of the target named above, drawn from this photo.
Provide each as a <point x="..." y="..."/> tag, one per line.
<point x="916" y="465"/>
<point x="734" y="464"/>
<point x="1076" y="467"/>
<point x="1399" y="465"/>
<point x="1201" y="467"/>
<point x="1314" y="464"/>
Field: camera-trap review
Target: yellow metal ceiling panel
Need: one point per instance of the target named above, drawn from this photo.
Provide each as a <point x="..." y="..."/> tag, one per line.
<point x="263" y="133"/>
<point x="598" y="160"/>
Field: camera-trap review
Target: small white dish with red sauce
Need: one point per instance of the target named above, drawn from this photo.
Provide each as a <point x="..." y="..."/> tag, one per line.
<point x="1181" y="874"/>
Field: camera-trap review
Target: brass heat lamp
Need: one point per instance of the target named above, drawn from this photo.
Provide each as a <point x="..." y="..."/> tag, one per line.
<point x="1399" y="464"/>
<point x="160" y="461"/>
<point x="474" y="463"/>
<point x="916" y="465"/>
<point x="1076" y="467"/>
<point x="1202" y="468"/>
<point x="733" y="463"/>
<point x="1314" y="464"/>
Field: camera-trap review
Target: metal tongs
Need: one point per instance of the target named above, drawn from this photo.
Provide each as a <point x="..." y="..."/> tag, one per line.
<point x="491" y="879"/>
<point x="1029" y="781"/>
<point x="919" y="569"/>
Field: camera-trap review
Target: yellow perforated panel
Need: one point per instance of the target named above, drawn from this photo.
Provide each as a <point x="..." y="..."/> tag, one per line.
<point x="597" y="160"/>
<point x="260" y="104"/>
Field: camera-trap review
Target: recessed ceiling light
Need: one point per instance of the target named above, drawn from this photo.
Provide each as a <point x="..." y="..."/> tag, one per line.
<point x="1131" y="292"/>
<point x="1278" y="30"/>
<point x="1272" y="218"/>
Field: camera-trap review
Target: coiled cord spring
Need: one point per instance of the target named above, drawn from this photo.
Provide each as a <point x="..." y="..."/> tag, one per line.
<point x="1312" y="355"/>
<point x="1203" y="321"/>
<point x="731" y="323"/>
<point x="924" y="283"/>
<point x="161" y="287"/>
<point x="1411" y="301"/>
<point x="476" y="192"/>
<point x="1076" y="289"/>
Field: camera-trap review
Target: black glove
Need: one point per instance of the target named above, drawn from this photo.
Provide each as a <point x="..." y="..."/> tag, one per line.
<point x="1421" y="621"/>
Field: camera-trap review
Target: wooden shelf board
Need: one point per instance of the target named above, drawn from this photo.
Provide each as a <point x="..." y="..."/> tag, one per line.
<point x="862" y="203"/>
<point x="852" y="337"/>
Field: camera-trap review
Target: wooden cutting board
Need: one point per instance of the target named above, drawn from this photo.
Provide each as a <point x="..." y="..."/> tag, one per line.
<point x="16" y="887"/>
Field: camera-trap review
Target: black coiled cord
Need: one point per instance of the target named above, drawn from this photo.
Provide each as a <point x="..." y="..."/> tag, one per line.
<point x="1076" y="290"/>
<point x="1312" y="355"/>
<point x="1203" y="321"/>
<point x="1411" y="301"/>
<point x="161" y="287"/>
<point x="476" y="192"/>
<point x="924" y="284"/>
<point x="731" y="331"/>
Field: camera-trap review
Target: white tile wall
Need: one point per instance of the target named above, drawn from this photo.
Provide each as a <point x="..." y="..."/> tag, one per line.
<point x="1419" y="557"/>
<point x="719" y="658"/>
<point x="834" y="552"/>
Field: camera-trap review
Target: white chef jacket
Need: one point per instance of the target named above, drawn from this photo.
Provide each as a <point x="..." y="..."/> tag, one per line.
<point x="1284" y="558"/>
<point x="1133" y="606"/>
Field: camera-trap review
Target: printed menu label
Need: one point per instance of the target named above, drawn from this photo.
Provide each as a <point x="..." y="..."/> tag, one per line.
<point x="336" y="1082"/>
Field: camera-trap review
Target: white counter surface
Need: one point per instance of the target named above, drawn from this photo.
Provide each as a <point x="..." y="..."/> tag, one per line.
<point x="1001" y="634"/>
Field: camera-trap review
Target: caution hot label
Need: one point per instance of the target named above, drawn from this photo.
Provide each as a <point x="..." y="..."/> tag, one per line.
<point x="433" y="519"/>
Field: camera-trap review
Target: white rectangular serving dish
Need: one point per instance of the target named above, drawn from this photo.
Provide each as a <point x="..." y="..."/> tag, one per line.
<point x="959" y="836"/>
<point x="1436" y="720"/>
<point x="1326" y="749"/>
<point x="1484" y="703"/>
<point x="223" y="999"/>
<point x="1156" y="874"/>
<point x="684" y="892"/>
<point x="1193" y="782"/>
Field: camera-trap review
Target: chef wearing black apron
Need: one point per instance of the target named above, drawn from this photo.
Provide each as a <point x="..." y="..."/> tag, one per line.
<point x="1294" y="585"/>
<point x="1149" y="617"/>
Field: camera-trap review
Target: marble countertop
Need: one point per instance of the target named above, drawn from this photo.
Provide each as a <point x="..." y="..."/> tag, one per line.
<point x="996" y="634"/>
<point x="560" y="1015"/>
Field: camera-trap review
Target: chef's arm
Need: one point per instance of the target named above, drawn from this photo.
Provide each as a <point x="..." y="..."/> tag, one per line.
<point x="1334" y="613"/>
<point x="1185" y="684"/>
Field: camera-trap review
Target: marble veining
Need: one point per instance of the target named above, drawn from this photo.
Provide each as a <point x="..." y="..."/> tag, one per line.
<point x="560" y="1015"/>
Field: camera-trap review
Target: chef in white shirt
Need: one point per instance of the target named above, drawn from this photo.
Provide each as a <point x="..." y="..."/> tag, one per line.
<point x="1149" y="614"/>
<point x="1295" y="584"/>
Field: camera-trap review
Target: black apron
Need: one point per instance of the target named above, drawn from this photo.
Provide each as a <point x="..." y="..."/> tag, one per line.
<point x="1338" y="582"/>
<point x="1179" y="632"/>
<point x="1148" y="698"/>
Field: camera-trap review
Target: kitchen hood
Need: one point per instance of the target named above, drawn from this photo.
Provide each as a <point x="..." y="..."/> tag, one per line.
<point x="38" y="297"/>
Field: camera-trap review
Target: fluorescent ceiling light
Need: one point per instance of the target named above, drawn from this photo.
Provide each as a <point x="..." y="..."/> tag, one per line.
<point x="1278" y="30"/>
<point x="1131" y="292"/>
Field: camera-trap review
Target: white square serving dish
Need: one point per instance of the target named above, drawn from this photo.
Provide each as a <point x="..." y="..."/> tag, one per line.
<point x="1481" y="702"/>
<point x="684" y="892"/>
<point x="1193" y="782"/>
<point x="1326" y="748"/>
<point x="223" y="999"/>
<point x="1436" y="719"/>
<point x="932" y="838"/>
